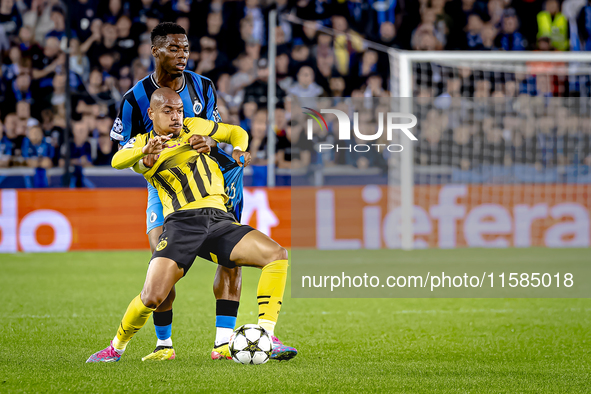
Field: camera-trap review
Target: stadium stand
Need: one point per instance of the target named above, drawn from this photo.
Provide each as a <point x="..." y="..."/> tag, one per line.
<point x="110" y="52"/>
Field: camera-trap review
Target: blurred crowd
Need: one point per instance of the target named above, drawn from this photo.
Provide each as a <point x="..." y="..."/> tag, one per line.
<point x="541" y="133"/>
<point x="110" y="52"/>
<point x="455" y="133"/>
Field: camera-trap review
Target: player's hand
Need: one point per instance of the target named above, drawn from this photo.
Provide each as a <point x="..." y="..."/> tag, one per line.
<point x="237" y="154"/>
<point x="149" y="160"/>
<point x="202" y="143"/>
<point x="156" y="145"/>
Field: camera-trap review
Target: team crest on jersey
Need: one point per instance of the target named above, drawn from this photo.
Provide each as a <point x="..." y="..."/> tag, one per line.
<point x="197" y="107"/>
<point x="161" y="245"/>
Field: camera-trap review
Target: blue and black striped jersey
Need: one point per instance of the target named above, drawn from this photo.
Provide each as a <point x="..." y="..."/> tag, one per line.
<point x="199" y="100"/>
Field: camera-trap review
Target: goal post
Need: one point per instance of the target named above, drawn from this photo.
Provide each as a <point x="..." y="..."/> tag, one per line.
<point x="413" y="70"/>
<point x="406" y="160"/>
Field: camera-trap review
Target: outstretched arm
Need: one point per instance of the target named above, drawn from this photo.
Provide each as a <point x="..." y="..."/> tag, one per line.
<point x="233" y="135"/>
<point x="219" y="132"/>
<point x="238" y="138"/>
<point x="128" y="157"/>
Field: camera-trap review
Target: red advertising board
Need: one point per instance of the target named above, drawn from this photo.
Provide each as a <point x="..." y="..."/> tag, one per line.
<point x="108" y="219"/>
<point x="326" y="218"/>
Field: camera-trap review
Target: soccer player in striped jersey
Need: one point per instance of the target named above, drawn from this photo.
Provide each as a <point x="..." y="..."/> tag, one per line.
<point x="170" y="48"/>
<point x="191" y="188"/>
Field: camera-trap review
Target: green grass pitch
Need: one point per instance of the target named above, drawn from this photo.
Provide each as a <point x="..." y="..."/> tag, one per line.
<point x="58" y="309"/>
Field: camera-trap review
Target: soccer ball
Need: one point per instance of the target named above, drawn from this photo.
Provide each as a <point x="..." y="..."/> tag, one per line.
<point x="250" y="344"/>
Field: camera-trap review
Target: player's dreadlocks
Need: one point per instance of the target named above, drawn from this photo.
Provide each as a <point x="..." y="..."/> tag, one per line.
<point x="163" y="29"/>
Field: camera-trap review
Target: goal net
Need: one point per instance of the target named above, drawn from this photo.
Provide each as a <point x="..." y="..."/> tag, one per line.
<point x="503" y="151"/>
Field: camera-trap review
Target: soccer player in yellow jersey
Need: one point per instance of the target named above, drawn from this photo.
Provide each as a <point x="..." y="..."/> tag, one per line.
<point x="191" y="188"/>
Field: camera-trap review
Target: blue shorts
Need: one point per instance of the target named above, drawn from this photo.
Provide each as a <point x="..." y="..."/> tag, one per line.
<point x="154" y="215"/>
<point x="233" y="181"/>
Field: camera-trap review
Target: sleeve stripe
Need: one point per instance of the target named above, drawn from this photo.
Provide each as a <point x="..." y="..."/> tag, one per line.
<point x="126" y="114"/>
<point x="142" y="100"/>
<point x="210" y="101"/>
<point x="215" y="129"/>
<point x="199" y="84"/>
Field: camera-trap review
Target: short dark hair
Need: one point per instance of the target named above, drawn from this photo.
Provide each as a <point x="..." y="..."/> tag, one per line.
<point x="163" y="29"/>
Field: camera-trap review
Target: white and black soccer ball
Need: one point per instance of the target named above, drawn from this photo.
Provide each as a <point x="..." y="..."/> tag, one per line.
<point x="250" y="344"/>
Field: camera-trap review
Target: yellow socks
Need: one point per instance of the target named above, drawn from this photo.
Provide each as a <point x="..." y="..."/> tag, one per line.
<point x="135" y="317"/>
<point x="270" y="293"/>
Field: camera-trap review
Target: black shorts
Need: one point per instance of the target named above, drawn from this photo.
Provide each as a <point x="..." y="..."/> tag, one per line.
<point x="209" y="233"/>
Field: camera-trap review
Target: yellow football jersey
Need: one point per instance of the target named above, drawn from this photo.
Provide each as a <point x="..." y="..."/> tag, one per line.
<point x="184" y="178"/>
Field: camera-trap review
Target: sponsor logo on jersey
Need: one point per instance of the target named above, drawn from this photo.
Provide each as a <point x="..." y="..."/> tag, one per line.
<point x="153" y="217"/>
